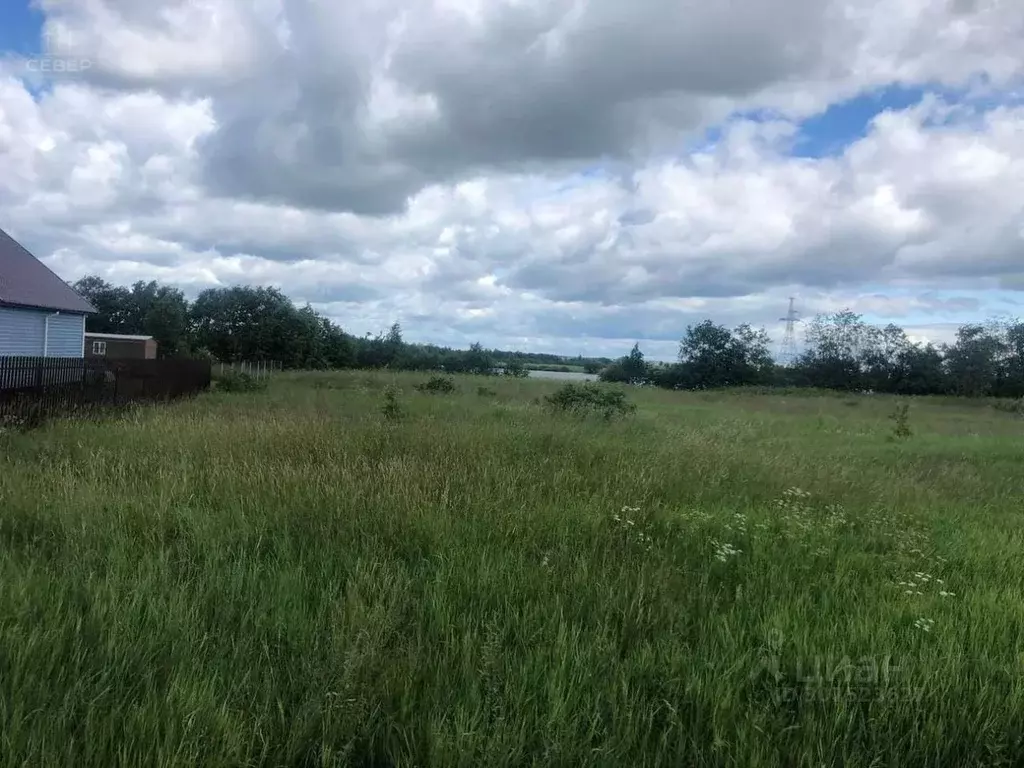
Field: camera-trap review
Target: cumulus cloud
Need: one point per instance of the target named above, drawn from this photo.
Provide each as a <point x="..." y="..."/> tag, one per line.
<point x="359" y="105"/>
<point x="526" y="172"/>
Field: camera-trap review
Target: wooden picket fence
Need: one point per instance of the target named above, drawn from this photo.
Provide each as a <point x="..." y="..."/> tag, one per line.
<point x="35" y="386"/>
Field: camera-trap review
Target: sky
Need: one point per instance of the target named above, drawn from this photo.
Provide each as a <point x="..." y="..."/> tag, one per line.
<point x="568" y="176"/>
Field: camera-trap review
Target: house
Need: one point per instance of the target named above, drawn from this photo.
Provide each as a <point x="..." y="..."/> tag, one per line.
<point x="119" y="346"/>
<point x="40" y="315"/>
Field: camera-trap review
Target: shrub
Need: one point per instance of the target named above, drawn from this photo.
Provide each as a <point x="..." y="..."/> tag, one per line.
<point x="515" y="368"/>
<point x="901" y="422"/>
<point x="590" y="398"/>
<point x="1015" y="407"/>
<point x="239" y="381"/>
<point x="392" y="409"/>
<point x="201" y="353"/>
<point x="438" y="385"/>
<point x="614" y="373"/>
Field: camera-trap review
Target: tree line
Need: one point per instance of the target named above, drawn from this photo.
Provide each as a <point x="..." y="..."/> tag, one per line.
<point x="253" y="324"/>
<point x="842" y="352"/>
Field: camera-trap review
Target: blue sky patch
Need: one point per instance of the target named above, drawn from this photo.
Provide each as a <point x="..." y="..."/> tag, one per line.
<point x="842" y="124"/>
<point x="21" y="28"/>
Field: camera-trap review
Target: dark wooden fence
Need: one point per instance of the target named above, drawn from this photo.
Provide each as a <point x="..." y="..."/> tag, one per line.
<point x="30" y="386"/>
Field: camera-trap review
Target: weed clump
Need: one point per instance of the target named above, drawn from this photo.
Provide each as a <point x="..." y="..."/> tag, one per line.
<point x="901" y="422"/>
<point x="392" y="408"/>
<point x="582" y="399"/>
<point x="438" y="385"/>
<point x="32" y="416"/>
<point x="239" y="381"/>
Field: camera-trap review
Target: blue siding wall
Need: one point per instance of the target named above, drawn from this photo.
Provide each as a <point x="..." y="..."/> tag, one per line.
<point x="66" y="335"/>
<point x="22" y="331"/>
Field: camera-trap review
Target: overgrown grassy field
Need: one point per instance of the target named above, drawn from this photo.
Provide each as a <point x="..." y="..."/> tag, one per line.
<point x="288" y="578"/>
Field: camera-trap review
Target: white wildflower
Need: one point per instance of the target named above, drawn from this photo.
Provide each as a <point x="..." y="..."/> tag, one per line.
<point x="925" y="625"/>
<point x="944" y="593"/>
<point x="724" y="551"/>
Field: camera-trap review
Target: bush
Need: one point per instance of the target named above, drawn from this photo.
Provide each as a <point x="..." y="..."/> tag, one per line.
<point x="590" y="398"/>
<point x="239" y="381"/>
<point x="614" y="373"/>
<point x="438" y="385"/>
<point x="392" y="408"/>
<point x="1015" y="407"/>
<point x="901" y="422"/>
<point x="516" y="369"/>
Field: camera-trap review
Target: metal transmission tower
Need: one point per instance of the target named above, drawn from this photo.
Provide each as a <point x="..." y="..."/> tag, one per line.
<point x="787" y="352"/>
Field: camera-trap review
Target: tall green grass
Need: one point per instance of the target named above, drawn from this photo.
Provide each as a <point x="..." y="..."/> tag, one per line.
<point x="290" y="578"/>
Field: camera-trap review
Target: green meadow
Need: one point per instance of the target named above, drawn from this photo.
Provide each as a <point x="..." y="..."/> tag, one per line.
<point x="293" y="577"/>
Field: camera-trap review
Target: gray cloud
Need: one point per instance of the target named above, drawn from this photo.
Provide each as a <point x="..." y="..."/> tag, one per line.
<point x="512" y="172"/>
<point x="359" y="105"/>
<point x="521" y="88"/>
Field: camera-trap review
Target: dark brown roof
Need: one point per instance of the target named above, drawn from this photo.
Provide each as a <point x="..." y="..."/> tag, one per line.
<point x="27" y="282"/>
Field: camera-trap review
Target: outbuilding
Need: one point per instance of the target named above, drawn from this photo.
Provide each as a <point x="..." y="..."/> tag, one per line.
<point x="119" y="346"/>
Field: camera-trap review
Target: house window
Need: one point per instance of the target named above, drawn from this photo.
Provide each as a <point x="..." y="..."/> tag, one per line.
<point x="99" y="347"/>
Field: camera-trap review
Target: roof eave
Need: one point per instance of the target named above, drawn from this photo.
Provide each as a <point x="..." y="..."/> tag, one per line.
<point x="65" y="310"/>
